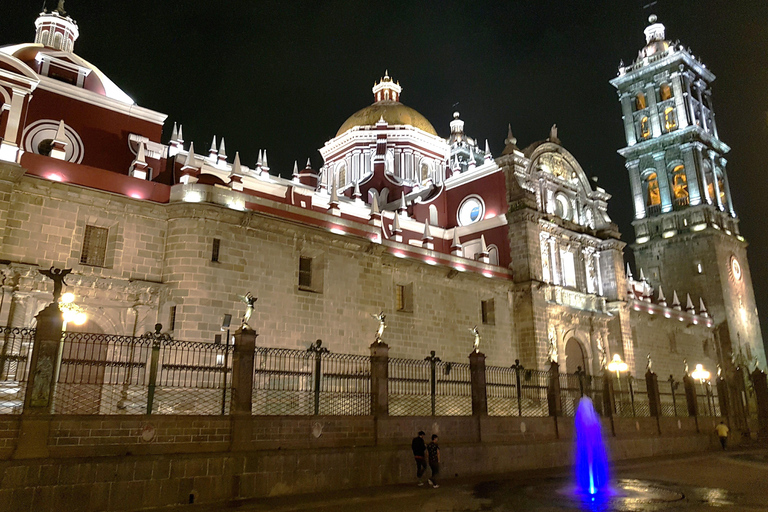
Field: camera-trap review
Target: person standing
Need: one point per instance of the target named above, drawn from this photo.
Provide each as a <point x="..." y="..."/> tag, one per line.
<point x="419" y="449"/>
<point x="722" y="432"/>
<point x="434" y="461"/>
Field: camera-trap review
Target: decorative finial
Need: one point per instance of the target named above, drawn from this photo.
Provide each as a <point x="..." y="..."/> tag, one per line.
<point x="382" y="318"/>
<point x="249" y="300"/>
<point x="652" y="18"/>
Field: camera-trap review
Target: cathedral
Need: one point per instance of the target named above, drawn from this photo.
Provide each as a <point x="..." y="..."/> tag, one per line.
<point x="422" y="223"/>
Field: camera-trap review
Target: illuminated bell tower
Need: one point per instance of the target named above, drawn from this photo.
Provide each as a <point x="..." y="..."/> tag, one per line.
<point x="686" y="229"/>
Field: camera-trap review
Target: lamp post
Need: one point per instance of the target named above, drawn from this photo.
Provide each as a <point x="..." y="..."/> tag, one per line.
<point x="702" y="375"/>
<point x="618" y="366"/>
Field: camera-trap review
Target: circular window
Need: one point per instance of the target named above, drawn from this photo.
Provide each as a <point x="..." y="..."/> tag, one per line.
<point x="36" y="139"/>
<point x="471" y="210"/>
<point x="735" y="268"/>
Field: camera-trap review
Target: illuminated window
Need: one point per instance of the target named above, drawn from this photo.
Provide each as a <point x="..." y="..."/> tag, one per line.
<point x="645" y="129"/>
<point x="654" y="197"/>
<point x="665" y="92"/>
<point x="670" y="121"/>
<point x="488" y="311"/>
<point x="57" y="41"/>
<point x="679" y="182"/>
<point x="721" y="185"/>
<point x="94" y="251"/>
<point x="640" y="102"/>
<point x="342" y="179"/>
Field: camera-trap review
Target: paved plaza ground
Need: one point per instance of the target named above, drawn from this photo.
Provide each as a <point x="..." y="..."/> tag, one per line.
<point x="723" y="481"/>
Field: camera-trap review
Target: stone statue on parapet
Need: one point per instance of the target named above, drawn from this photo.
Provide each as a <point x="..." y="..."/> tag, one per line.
<point x="60" y="8"/>
<point x="687" y="371"/>
<point x="649" y="364"/>
<point x="249" y="300"/>
<point x="57" y="275"/>
<point x="382" y="318"/>
<point x="476" y="333"/>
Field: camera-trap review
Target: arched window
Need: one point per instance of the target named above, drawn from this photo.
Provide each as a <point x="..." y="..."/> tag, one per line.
<point x="645" y="129"/>
<point x="493" y="254"/>
<point x="654" y="197"/>
<point x="342" y="179"/>
<point x="670" y="120"/>
<point x="640" y="102"/>
<point x="424" y="171"/>
<point x="44" y="38"/>
<point x="721" y="186"/>
<point x="433" y="218"/>
<point x="680" y="183"/>
<point x="57" y="41"/>
<point x="665" y="92"/>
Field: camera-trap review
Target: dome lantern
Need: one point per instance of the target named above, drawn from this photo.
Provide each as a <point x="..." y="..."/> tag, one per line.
<point x="386" y="89"/>
<point x="56" y="30"/>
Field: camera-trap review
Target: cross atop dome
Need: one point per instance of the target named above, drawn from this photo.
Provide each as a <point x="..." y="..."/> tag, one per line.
<point x="386" y="89"/>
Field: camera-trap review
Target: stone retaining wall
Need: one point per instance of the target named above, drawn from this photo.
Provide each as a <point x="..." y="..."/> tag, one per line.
<point x="130" y="463"/>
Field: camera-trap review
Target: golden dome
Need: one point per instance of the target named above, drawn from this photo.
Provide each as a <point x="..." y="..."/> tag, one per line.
<point x="393" y="112"/>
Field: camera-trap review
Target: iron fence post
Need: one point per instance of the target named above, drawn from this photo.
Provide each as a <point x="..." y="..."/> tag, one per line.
<point x="224" y="378"/>
<point x="157" y="338"/>
<point x="318" y="349"/>
<point x="631" y="379"/>
<point x="153" y="367"/>
<point x="433" y="360"/>
<point x="672" y="387"/>
<point x="518" y="368"/>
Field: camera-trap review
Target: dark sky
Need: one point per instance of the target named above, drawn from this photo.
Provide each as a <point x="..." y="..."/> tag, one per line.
<point x="284" y="75"/>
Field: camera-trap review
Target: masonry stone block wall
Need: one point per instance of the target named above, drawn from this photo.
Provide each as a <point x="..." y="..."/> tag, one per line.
<point x="670" y="341"/>
<point x="294" y="455"/>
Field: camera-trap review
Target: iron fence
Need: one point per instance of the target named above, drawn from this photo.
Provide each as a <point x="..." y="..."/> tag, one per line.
<point x="453" y="389"/>
<point x="310" y="382"/>
<point x="706" y="399"/>
<point x="672" y="398"/>
<point x="14" y="367"/>
<point x="192" y="378"/>
<point x="410" y="387"/>
<point x="111" y="374"/>
<point x="503" y="391"/>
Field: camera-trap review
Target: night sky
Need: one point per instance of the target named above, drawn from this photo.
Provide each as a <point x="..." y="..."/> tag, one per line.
<point x="284" y="75"/>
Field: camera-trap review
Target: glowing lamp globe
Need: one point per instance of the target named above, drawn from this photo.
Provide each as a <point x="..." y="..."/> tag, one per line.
<point x="700" y="373"/>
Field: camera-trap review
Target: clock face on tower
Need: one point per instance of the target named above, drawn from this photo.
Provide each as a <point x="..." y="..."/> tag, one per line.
<point x="735" y="269"/>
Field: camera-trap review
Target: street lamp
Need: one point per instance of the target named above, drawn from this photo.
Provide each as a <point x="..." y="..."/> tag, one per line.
<point x="72" y="312"/>
<point x="702" y="376"/>
<point x="700" y="373"/>
<point x="618" y="366"/>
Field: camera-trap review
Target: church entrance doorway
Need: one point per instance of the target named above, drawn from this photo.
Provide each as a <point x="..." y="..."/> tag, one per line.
<point x="574" y="356"/>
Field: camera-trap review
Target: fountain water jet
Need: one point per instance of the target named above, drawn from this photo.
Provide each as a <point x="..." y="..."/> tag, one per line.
<point x="591" y="461"/>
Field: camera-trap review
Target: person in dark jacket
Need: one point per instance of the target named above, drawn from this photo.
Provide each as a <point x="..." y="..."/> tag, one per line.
<point x="434" y="461"/>
<point x="419" y="448"/>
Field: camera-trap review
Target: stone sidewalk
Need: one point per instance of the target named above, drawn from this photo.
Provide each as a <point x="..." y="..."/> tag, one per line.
<point x="733" y="481"/>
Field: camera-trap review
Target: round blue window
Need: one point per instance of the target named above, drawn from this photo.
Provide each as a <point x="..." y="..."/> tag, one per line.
<point x="471" y="210"/>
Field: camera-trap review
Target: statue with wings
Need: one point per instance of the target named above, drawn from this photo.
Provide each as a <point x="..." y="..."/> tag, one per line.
<point x="477" y="338"/>
<point x="249" y="300"/>
<point x="382" y="318"/>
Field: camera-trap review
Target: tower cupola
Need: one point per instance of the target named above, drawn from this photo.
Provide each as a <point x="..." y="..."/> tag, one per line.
<point x="56" y="30"/>
<point x="386" y="89"/>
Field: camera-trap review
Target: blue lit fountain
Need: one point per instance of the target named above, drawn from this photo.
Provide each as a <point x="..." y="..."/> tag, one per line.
<point x="591" y="461"/>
